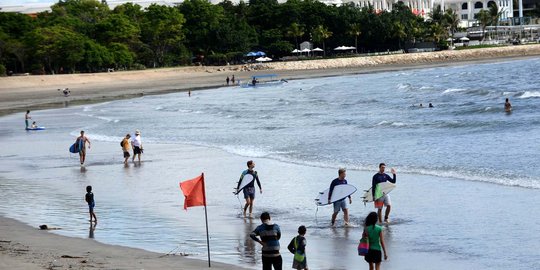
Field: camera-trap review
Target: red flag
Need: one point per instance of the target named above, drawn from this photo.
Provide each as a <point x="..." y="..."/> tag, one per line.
<point x="194" y="192"/>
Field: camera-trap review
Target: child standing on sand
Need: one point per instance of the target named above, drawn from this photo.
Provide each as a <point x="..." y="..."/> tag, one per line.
<point x="89" y="198"/>
<point x="297" y="246"/>
<point x="376" y="241"/>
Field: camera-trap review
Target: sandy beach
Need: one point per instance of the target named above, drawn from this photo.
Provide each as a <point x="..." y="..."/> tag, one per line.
<point x="25" y="247"/>
<point x="34" y="92"/>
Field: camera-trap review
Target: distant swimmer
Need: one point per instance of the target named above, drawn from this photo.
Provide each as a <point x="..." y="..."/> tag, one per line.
<point x="249" y="188"/>
<point x="27" y="117"/>
<point x="507" y="106"/>
<point x="81" y="146"/>
<point x="381" y="177"/>
<point x="421" y="106"/>
<point x="431" y="105"/>
<point x="341" y="204"/>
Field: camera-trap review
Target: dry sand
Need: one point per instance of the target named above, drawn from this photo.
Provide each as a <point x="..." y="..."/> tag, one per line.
<point x="33" y="92"/>
<point x="24" y="247"/>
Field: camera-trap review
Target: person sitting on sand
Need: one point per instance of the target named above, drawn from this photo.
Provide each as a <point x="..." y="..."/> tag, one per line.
<point x="507" y="106"/>
<point x="45" y="227"/>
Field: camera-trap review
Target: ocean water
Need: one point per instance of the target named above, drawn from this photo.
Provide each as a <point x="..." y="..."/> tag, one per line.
<point x="468" y="175"/>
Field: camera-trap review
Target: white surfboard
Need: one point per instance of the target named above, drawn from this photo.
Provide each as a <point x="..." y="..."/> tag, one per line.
<point x="248" y="178"/>
<point x="385" y="187"/>
<point x="340" y="192"/>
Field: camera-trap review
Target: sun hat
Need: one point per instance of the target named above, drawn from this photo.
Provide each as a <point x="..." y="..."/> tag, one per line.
<point x="137" y="132"/>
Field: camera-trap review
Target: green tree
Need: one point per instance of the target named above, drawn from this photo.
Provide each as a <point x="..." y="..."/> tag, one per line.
<point x="355" y="30"/>
<point x="161" y="31"/>
<point x="58" y="48"/>
<point x="321" y="34"/>
<point x="452" y="21"/>
<point x="202" y="21"/>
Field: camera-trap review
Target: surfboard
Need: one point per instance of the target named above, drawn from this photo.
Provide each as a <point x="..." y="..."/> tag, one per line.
<point x="384" y="187"/>
<point x="340" y="192"/>
<point x="248" y="178"/>
<point x="36" y="128"/>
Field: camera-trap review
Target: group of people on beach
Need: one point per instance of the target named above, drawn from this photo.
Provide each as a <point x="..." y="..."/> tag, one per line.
<point x="268" y="233"/>
<point x="136" y="146"/>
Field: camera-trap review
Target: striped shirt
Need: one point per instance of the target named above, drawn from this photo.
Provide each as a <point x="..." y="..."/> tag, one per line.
<point x="270" y="235"/>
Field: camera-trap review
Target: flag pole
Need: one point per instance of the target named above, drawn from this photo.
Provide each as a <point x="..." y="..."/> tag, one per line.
<point x="206" y="219"/>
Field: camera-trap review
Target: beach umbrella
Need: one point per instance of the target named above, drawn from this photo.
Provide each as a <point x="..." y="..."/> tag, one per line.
<point x="449" y="39"/>
<point x="340" y="48"/>
<point x="263" y="59"/>
<point x="317" y="49"/>
<point x="251" y="54"/>
<point x="350" y="48"/>
<point x="295" y="51"/>
<point x="464" y="39"/>
<point x="306" y="50"/>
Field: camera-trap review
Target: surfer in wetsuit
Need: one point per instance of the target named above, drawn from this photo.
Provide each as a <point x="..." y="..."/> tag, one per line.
<point x="341" y="204"/>
<point x="249" y="189"/>
<point x="378" y="178"/>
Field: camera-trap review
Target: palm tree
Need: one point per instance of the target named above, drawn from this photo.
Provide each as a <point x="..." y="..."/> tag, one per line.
<point x="399" y="32"/>
<point x="320" y="34"/>
<point x="295" y="30"/>
<point x="452" y="21"/>
<point x="484" y="18"/>
<point x="495" y="15"/>
<point x="355" y="30"/>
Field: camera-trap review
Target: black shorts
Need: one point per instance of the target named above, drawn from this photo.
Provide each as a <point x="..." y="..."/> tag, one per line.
<point x="137" y="150"/>
<point x="373" y="256"/>
<point x="126" y="154"/>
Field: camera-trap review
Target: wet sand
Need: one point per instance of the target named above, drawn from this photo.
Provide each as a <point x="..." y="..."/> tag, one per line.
<point x="38" y="92"/>
<point x="24" y="247"/>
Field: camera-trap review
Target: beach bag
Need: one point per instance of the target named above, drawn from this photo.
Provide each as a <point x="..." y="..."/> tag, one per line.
<point x="299" y="257"/>
<point x="363" y="246"/>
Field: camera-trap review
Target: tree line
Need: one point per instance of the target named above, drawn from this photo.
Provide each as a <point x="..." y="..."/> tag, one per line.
<point x="87" y="36"/>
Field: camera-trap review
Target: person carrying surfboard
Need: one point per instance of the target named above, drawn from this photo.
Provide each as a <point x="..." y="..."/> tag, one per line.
<point x="81" y="146"/>
<point x="382" y="200"/>
<point x="249" y="188"/>
<point x="341" y="204"/>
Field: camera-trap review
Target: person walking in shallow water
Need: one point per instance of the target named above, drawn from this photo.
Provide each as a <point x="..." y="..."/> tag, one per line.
<point x="126" y="147"/>
<point x="270" y="234"/>
<point x="136" y="144"/>
<point x="81" y="144"/>
<point x="376" y="242"/>
<point x="89" y="198"/>
<point x="27" y="118"/>
<point x="249" y="189"/>
<point x="378" y="178"/>
<point x="341" y="204"/>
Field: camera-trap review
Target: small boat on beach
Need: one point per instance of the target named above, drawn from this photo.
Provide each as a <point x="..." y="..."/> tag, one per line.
<point x="264" y="80"/>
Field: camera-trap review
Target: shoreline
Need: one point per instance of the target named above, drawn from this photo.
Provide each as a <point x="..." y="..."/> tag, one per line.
<point x="40" y="92"/>
<point x="25" y="247"/>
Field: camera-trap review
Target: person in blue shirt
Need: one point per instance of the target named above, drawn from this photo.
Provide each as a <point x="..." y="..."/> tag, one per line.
<point x="249" y="189"/>
<point x="381" y="177"/>
<point x="269" y="234"/>
<point x="341" y="204"/>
